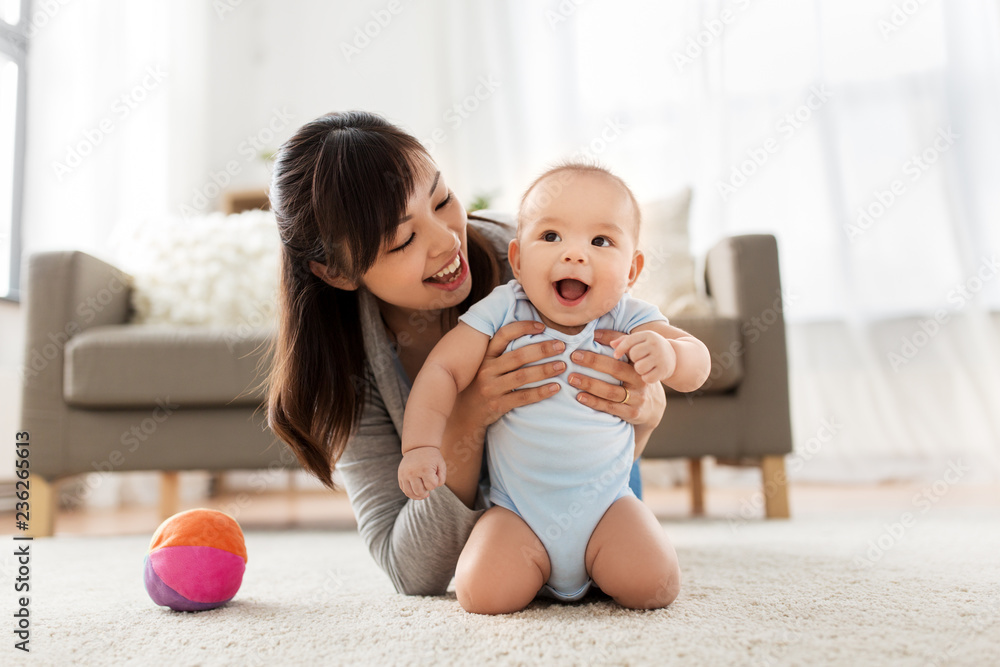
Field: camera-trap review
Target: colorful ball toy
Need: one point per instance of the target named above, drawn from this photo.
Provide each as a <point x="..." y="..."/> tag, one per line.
<point x="195" y="561"/>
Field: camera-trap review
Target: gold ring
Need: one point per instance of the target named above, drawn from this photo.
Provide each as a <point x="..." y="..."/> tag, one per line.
<point x="624" y="400"/>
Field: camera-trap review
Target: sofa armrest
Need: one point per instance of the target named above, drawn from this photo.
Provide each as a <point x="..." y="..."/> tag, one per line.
<point x="66" y="292"/>
<point x="742" y="276"/>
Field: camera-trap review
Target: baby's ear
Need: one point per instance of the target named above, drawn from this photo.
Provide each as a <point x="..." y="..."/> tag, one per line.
<point x="638" y="260"/>
<point x="514" y="257"/>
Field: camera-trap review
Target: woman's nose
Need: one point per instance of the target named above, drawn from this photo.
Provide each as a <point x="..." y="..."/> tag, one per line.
<point x="445" y="239"/>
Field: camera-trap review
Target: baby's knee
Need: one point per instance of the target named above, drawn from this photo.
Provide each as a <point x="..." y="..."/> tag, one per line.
<point x="499" y="583"/>
<point x="489" y="593"/>
<point x="652" y="588"/>
<point x="476" y="596"/>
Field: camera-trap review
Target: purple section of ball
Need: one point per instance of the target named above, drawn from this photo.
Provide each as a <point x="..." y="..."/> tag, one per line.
<point x="165" y="596"/>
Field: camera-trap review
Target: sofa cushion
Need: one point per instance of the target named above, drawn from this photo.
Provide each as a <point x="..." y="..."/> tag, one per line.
<point x="136" y="365"/>
<point x="668" y="275"/>
<point x="724" y="340"/>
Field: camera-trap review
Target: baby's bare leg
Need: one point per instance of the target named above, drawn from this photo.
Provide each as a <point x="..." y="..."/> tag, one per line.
<point x="502" y="566"/>
<point x="630" y="558"/>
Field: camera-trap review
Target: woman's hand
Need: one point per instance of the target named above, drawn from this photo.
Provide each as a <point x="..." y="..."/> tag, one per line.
<point x="646" y="402"/>
<point x="494" y="391"/>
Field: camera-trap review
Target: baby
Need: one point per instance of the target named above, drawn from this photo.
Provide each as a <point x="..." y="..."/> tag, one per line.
<point x="557" y="464"/>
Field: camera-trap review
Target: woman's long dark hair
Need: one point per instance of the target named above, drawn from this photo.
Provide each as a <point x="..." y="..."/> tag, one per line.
<point x="339" y="188"/>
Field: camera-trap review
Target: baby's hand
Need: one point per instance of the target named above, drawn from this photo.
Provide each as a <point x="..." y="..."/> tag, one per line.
<point x="652" y="355"/>
<point x="421" y="471"/>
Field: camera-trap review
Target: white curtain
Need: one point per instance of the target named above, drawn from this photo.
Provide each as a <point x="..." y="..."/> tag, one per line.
<point x="116" y="94"/>
<point x="884" y="206"/>
<point x="862" y="134"/>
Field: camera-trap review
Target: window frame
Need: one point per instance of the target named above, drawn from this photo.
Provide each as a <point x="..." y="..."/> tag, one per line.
<point x="14" y="45"/>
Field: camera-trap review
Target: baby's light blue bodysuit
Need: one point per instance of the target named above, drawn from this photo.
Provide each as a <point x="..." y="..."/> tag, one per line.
<point x="559" y="464"/>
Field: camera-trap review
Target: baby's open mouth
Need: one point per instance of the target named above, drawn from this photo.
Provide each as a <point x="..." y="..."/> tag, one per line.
<point x="570" y="289"/>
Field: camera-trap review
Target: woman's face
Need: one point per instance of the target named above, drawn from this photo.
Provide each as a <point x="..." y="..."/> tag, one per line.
<point x="426" y="266"/>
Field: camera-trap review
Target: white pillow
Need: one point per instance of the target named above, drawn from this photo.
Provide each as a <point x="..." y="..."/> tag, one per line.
<point x="214" y="270"/>
<point x="667" y="279"/>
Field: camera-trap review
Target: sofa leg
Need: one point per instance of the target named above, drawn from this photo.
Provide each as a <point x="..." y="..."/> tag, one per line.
<point x="775" y="487"/>
<point x="216" y="484"/>
<point x="697" y="487"/>
<point x="42" y="508"/>
<point x="169" y="496"/>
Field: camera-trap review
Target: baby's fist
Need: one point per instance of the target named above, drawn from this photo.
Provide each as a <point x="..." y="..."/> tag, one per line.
<point x="652" y="355"/>
<point x="421" y="471"/>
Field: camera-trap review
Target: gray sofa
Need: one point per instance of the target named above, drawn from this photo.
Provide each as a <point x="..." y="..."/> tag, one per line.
<point x="101" y="395"/>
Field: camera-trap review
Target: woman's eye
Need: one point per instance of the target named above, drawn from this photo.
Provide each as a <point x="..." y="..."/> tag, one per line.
<point x="447" y="200"/>
<point x="551" y="237"/>
<point x="408" y="242"/>
<point x="601" y="241"/>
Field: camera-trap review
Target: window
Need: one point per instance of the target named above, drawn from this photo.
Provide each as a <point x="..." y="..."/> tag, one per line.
<point x="13" y="40"/>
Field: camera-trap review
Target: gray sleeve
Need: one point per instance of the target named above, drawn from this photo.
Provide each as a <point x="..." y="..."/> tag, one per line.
<point x="416" y="542"/>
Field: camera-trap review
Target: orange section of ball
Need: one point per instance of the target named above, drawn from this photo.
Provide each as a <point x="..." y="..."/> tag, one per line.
<point x="201" y="528"/>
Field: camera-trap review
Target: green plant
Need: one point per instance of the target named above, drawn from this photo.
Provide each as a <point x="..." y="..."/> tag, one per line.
<point x="481" y="201"/>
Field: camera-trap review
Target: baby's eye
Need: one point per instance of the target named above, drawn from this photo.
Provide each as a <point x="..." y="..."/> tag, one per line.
<point x="551" y="237"/>
<point x="601" y="241"/>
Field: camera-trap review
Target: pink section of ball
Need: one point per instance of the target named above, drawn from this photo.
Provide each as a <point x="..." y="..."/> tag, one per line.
<point x="201" y="574"/>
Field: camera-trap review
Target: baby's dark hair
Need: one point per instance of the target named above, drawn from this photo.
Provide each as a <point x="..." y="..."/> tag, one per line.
<point x="570" y="167"/>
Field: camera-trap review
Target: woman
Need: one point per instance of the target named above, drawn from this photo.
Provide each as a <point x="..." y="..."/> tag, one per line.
<point x="378" y="261"/>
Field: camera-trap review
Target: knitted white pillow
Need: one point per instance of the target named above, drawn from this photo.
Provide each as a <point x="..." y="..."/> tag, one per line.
<point x="667" y="279"/>
<point x="214" y="270"/>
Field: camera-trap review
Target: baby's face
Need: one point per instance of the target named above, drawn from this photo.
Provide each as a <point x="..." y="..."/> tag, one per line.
<point x="575" y="254"/>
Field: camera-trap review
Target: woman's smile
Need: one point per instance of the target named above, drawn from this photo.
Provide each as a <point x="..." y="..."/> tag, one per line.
<point x="452" y="276"/>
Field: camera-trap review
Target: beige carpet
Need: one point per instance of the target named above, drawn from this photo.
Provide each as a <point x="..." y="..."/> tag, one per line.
<point x="795" y="592"/>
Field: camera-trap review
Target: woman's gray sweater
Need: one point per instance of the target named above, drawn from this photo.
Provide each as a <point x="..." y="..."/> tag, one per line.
<point x="416" y="542"/>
